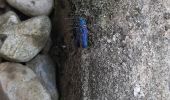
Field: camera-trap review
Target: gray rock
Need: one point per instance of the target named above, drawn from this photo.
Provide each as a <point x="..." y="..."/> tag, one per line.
<point x="8" y="19"/>
<point x="23" y="41"/>
<point x="32" y="7"/>
<point x="129" y="55"/>
<point x="47" y="47"/>
<point x="18" y="82"/>
<point x="44" y="68"/>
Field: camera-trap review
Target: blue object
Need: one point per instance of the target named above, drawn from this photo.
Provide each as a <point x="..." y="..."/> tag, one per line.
<point x="82" y="33"/>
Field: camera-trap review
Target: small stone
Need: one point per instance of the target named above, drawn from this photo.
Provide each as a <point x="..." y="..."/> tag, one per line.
<point x="24" y="40"/>
<point x="44" y="68"/>
<point x="32" y="7"/>
<point x="18" y="82"/>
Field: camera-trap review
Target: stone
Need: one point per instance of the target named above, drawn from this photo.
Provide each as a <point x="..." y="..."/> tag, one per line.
<point x="47" y="47"/>
<point x="129" y="55"/>
<point x="44" y="68"/>
<point x="32" y="7"/>
<point x="24" y="40"/>
<point x="8" y="19"/>
<point x="18" y="82"/>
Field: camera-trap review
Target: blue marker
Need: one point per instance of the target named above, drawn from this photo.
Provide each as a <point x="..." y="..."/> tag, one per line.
<point x="82" y="33"/>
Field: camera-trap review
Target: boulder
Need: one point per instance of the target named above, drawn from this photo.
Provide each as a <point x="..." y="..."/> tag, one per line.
<point x="32" y="7"/>
<point x="44" y="68"/>
<point x="18" y="82"/>
<point x="23" y="41"/>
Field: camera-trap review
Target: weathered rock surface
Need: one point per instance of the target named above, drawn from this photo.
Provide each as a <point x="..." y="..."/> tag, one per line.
<point x="47" y="47"/>
<point x="8" y="19"/>
<point x="129" y="56"/>
<point x="24" y="40"/>
<point x="18" y="82"/>
<point x="44" y="68"/>
<point x="32" y="7"/>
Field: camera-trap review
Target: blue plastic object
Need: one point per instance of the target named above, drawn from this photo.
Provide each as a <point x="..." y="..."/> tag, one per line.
<point x="82" y="33"/>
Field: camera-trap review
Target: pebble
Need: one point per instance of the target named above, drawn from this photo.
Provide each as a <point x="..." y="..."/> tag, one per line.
<point x="33" y="7"/>
<point x="18" y="82"/>
<point x="44" y="68"/>
<point x="24" y="40"/>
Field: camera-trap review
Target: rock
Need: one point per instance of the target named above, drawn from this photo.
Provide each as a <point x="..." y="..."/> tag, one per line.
<point x="32" y="7"/>
<point x="129" y="55"/>
<point x="8" y="19"/>
<point x="47" y="47"/>
<point x="23" y="41"/>
<point x="18" y="82"/>
<point x="44" y="68"/>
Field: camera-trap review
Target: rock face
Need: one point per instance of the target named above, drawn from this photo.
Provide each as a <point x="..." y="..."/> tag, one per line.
<point x="18" y="82"/>
<point x="32" y="7"/>
<point x="24" y="40"/>
<point x="129" y="56"/>
<point x="44" y="68"/>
